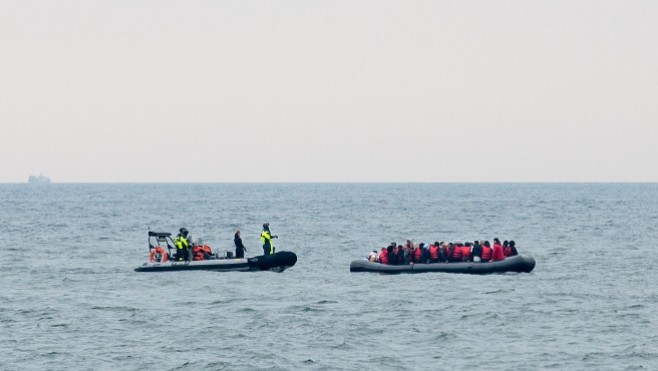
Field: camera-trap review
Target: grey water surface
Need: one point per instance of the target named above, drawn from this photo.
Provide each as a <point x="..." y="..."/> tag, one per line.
<point x="69" y="298"/>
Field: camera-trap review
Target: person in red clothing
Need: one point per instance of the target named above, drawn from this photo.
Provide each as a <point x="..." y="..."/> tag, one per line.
<point x="456" y="252"/>
<point x="383" y="256"/>
<point x="434" y="253"/>
<point x="498" y="253"/>
<point x="420" y="254"/>
<point x="466" y="252"/>
<point x="487" y="252"/>
<point x="510" y="250"/>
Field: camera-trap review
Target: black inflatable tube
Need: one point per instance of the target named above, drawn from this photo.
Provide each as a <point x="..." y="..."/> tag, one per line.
<point x="518" y="263"/>
<point x="277" y="260"/>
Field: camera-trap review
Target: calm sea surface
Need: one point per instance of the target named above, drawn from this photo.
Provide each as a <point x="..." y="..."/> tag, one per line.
<point x="69" y="298"/>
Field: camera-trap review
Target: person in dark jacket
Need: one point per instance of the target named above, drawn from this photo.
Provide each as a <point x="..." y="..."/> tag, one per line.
<point x="239" y="247"/>
<point x="476" y="252"/>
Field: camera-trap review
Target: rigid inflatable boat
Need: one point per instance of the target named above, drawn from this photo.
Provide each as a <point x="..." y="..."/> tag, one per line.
<point x="159" y="259"/>
<point x="277" y="262"/>
<point x="517" y="263"/>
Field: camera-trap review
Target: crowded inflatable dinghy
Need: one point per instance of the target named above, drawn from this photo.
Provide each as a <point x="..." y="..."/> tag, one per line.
<point x="457" y="257"/>
<point x="518" y="263"/>
<point x="161" y="258"/>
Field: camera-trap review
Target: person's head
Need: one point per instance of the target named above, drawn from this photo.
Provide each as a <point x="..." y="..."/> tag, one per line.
<point x="486" y="243"/>
<point x="422" y="244"/>
<point x="436" y="243"/>
<point x="184" y="232"/>
<point x="505" y="243"/>
<point x="512" y="243"/>
<point x="467" y="244"/>
<point x="266" y="226"/>
<point x="237" y="232"/>
<point x="496" y="240"/>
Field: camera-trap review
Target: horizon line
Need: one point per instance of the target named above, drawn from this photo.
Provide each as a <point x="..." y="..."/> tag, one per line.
<point x="346" y="182"/>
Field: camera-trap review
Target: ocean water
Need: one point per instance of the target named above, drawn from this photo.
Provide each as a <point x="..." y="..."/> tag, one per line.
<point x="69" y="298"/>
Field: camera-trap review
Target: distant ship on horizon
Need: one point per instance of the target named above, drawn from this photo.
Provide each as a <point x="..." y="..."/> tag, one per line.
<point x="38" y="179"/>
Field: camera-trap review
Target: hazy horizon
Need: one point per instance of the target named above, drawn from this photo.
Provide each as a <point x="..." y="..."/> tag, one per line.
<point x="329" y="91"/>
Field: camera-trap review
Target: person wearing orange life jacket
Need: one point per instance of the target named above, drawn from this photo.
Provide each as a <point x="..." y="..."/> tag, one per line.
<point x="487" y="252"/>
<point x="434" y="252"/>
<point x="420" y="254"/>
<point x="510" y="250"/>
<point x="466" y="252"/>
<point x="498" y="253"/>
<point x="383" y="256"/>
<point x="456" y="252"/>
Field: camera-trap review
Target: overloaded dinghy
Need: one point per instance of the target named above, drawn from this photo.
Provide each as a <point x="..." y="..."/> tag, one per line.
<point x="517" y="263"/>
<point x="159" y="259"/>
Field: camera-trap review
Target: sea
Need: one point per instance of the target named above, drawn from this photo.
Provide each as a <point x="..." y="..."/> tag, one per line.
<point x="71" y="300"/>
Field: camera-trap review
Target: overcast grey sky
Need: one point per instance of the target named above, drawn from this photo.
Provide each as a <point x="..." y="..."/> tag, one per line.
<point x="286" y="91"/>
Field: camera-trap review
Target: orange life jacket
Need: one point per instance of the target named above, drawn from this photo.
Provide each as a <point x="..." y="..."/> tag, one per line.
<point x="486" y="253"/>
<point x="418" y="254"/>
<point x="200" y="251"/>
<point x="434" y="252"/>
<point x="457" y="252"/>
<point x="466" y="253"/>
<point x="498" y="252"/>
<point x="383" y="257"/>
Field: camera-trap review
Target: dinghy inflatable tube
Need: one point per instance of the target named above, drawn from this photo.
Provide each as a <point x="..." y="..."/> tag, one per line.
<point x="518" y="263"/>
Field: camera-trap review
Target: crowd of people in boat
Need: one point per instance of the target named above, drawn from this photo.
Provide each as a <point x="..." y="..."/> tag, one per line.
<point x="443" y="252"/>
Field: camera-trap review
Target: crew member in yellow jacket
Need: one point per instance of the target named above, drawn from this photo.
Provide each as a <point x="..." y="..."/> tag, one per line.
<point x="266" y="238"/>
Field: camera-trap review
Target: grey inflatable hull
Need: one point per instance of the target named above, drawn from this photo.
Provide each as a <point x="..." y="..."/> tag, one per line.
<point x="278" y="262"/>
<point x="518" y="263"/>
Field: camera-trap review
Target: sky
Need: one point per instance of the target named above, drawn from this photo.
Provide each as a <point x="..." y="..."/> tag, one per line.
<point x="329" y="91"/>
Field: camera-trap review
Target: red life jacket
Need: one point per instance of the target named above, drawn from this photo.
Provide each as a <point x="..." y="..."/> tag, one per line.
<point x="486" y="253"/>
<point x="434" y="252"/>
<point x="457" y="253"/>
<point x="507" y="251"/>
<point x="383" y="257"/>
<point x="198" y="252"/>
<point x="498" y="252"/>
<point x="418" y="255"/>
<point x="466" y="252"/>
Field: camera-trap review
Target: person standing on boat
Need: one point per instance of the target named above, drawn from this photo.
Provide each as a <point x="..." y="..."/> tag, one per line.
<point x="239" y="247"/>
<point x="182" y="245"/>
<point x="266" y="238"/>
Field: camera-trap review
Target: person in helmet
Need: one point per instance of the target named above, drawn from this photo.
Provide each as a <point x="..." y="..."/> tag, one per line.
<point x="266" y="238"/>
<point x="182" y="245"/>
